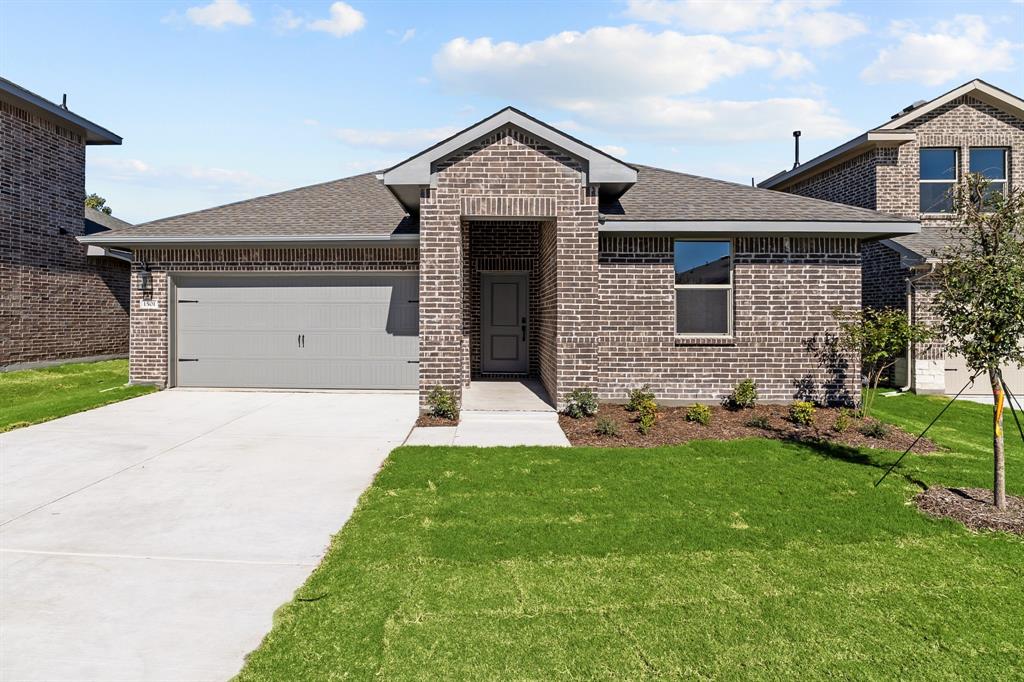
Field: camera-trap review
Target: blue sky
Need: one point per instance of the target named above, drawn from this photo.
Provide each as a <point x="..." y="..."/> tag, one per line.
<point x="219" y="100"/>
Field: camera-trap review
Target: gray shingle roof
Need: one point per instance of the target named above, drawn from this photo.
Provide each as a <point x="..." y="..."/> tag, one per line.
<point x="929" y="243"/>
<point x="98" y="221"/>
<point x="363" y="206"/>
<point x="356" y="206"/>
<point x="661" y="194"/>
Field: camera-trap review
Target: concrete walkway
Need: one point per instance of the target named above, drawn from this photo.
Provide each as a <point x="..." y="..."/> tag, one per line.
<point x="153" y="539"/>
<point x="497" y="413"/>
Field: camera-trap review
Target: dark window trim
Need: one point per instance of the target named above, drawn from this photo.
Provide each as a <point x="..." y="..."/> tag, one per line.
<point x="730" y="287"/>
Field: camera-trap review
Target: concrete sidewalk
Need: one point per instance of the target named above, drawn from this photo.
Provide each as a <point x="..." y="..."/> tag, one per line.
<point x="153" y="539"/>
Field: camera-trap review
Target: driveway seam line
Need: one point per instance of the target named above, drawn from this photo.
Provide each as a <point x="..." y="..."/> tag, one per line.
<point x="155" y="557"/>
<point x="135" y="464"/>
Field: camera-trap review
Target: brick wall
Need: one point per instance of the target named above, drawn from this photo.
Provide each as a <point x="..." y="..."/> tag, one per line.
<point x="850" y="182"/>
<point x="508" y="175"/>
<point x="784" y="294"/>
<point x="149" y="332"/>
<point x="55" y="302"/>
<point x="884" y="277"/>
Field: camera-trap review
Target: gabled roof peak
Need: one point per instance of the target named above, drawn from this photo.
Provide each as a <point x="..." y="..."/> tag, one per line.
<point x="407" y="178"/>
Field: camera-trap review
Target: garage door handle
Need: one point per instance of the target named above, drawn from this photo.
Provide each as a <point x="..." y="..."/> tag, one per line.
<point x="302" y="340"/>
<point x="188" y="359"/>
<point x="187" y="300"/>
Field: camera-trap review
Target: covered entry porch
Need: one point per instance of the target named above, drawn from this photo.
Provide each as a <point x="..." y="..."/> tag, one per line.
<point x="509" y="302"/>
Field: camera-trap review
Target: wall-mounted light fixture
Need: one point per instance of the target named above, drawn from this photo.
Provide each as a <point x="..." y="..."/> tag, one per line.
<point x="146" y="280"/>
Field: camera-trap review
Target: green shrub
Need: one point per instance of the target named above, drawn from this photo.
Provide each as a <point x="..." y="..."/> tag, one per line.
<point x="607" y="427"/>
<point x="842" y="422"/>
<point x="876" y="430"/>
<point x="743" y="396"/>
<point x="802" y="412"/>
<point x="645" y="420"/>
<point x="699" y="413"/>
<point x="639" y="396"/>
<point x="581" y="402"/>
<point x="442" y="403"/>
<point x="759" y="422"/>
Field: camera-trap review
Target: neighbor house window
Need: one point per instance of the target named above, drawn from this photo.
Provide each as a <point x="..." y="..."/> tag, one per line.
<point x="990" y="162"/>
<point x="938" y="176"/>
<point x="703" y="287"/>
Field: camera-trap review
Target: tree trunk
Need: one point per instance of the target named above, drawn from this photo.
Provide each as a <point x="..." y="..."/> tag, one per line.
<point x="999" y="479"/>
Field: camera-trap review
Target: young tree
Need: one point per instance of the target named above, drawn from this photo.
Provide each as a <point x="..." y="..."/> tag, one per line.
<point x="981" y="297"/>
<point x="879" y="336"/>
<point x="99" y="203"/>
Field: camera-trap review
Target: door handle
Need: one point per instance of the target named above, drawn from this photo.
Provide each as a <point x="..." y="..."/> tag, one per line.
<point x="524" y="329"/>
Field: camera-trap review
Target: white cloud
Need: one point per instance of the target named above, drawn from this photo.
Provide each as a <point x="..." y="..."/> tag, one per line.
<point x="792" y="64"/>
<point x="614" y="150"/>
<point x="789" y="22"/>
<point x="392" y="139"/>
<point x="344" y="20"/>
<point x="220" y="13"/>
<point x="716" y="121"/>
<point x="957" y="49"/>
<point x="404" y="36"/>
<point x="628" y="61"/>
<point x="286" y="20"/>
<point x="137" y="171"/>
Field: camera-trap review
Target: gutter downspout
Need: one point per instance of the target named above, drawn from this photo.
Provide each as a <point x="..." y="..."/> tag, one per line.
<point x="928" y="267"/>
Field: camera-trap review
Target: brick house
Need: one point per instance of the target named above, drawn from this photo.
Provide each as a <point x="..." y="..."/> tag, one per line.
<point x="906" y="167"/>
<point x="508" y="250"/>
<point x="59" y="300"/>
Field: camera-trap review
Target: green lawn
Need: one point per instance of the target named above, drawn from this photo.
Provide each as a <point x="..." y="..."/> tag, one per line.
<point x="37" y="395"/>
<point x="726" y="560"/>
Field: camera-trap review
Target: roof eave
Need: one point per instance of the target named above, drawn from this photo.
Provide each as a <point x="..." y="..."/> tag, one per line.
<point x="94" y="134"/>
<point x="143" y="241"/>
<point x="865" y="229"/>
<point x="849" y="150"/>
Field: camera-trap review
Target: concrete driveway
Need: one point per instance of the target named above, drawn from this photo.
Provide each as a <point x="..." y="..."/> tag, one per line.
<point x="153" y="539"/>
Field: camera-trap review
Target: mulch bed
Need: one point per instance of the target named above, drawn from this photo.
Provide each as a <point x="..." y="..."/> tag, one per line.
<point x="973" y="508"/>
<point x="672" y="428"/>
<point x="431" y="420"/>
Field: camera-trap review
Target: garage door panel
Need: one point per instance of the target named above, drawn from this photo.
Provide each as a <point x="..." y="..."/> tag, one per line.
<point x="957" y="375"/>
<point x="357" y="331"/>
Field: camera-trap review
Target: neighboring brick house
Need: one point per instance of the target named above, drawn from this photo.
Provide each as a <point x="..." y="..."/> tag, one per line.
<point x="59" y="300"/>
<point x="905" y="167"/>
<point x="508" y="250"/>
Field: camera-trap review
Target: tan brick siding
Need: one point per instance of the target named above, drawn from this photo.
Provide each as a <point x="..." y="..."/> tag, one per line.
<point x="55" y="302"/>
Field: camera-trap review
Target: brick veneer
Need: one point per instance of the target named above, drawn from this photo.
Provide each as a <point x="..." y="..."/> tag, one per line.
<point x="784" y="293"/>
<point x="55" y="302"/>
<point x="149" y="332"/>
<point x="886" y="179"/>
<point x="510" y="175"/>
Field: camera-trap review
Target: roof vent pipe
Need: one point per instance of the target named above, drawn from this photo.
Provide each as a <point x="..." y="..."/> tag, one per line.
<point x="796" y="148"/>
<point x="64" y="102"/>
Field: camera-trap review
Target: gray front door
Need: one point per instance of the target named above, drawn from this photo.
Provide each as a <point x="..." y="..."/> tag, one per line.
<point x="504" y="310"/>
<point x="297" y="331"/>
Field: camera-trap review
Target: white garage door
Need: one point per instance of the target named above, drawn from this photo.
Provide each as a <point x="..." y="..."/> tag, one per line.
<point x="957" y="375"/>
<point x="297" y="331"/>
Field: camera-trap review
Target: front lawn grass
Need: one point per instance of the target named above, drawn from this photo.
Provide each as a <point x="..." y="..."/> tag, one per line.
<point x="726" y="560"/>
<point x="32" y="396"/>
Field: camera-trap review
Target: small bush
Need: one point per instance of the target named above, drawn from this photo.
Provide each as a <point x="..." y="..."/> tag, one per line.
<point x="802" y="412"/>
<point x="607" y="427"/>
<point x="743" y="396"/>
<point x="699" y="413"/>
<point x="640" y="396"/>
<point x="581" y="402"/>
<point x="842" y="422"/>
<point x="442" y="403"/>
<point x="645" y="421"/>
<point x="759" y="422"/>
<point x="875" y="430"/>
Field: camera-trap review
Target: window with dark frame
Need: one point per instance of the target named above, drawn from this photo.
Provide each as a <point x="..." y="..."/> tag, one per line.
<point x="938" y="177"/>
<point x="990" y="163"/>
<point x="703" y="270"/>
